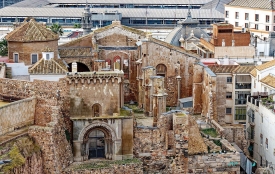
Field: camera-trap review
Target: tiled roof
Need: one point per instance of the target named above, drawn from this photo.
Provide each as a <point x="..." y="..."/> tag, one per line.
<point x="254" y="72"/>
<point x="262" y="4"/>
<point x="266" y="65"/>
<point x="269" y="80"/>
<point x="244" y="69"/>
<point x="31" y="31"/>
<point x="52" y="66"/>
<point x="223" y="68"/>
<point x="75" y="52"/>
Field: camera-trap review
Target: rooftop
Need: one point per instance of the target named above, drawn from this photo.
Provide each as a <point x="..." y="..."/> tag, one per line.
<point x="266" y="65"/>
<point x="31" y="31"/>
<point x="52" y="66"/>
<point x="262" y="4"/>
<point x="244" y="69"/>
<point x="223" y="68"/>
<point x="269" y="80"/>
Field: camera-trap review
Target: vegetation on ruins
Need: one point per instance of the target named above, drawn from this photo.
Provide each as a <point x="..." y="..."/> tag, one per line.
<point x="18" y="151"/>
<point x="3" y="47"/>
<point x="211" y="132"/>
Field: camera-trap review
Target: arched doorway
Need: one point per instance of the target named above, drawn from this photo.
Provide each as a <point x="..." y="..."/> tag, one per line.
<point x="96" y="109"/>
<point x="96" y="144"/>
<point x="81" y="67"/>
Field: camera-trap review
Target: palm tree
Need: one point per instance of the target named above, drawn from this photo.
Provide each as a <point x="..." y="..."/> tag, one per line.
<point x="3" y="47"/>
<point x="57" y="29"/>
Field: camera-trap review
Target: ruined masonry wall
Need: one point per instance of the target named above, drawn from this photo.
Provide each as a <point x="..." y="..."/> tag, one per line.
<point x="118" y="169"/>
<point x="17" y="114"/>
<point x="33" y="164"/>
<point x="215" y="163"/>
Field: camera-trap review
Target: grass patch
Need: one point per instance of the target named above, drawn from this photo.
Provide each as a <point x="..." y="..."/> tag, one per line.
<point x="211" y="132"/>
<point x="124" y="112"/>
<point x="135" y="108"/>
<point x="217" y="142"/>
<point x="106" y="164"/>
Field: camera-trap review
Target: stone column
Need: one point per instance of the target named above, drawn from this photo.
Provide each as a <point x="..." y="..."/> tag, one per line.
<point x="77" y="145"/>
<point x="178" y="81"/>
<point x="117" y="151"/>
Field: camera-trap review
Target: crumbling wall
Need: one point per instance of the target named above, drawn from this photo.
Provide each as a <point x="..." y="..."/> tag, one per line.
<point x="225" y="163"/>
<point x="197" y="88"/>
<point x="115" y="168"/>
<point x="236" y="134"/>
<point x="17" y="114"/>
<point x="221" y="98"/>
<point x="55" y="146"/>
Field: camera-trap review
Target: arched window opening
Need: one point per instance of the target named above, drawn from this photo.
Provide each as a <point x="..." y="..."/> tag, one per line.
<point x="161" y="70"/>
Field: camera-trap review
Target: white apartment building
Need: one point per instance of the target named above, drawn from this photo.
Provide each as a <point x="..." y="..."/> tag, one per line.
<point x="260" y="122"/>
<point x="251" y="14"/>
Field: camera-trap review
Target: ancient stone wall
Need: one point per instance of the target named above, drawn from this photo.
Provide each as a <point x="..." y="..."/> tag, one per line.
<point x="177" y="64"/>
<point x="33" y="164"/>
<point x="102" y="89"/>
<point x="209" y="102"/>
<point x="17" y="114"/>
<point x="55" y="146"/>
<point x="225" y="163"/>
<point x="221" y="90"/>
<point x="115" y="168"/>
<point x="197" y="88"/>
<point x="236" y="134"/>
<point x="25" y="49"/>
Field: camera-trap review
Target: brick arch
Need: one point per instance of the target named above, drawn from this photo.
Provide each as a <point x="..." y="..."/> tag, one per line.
<point x="97" y="125"/>
<point x="85" y="62"/>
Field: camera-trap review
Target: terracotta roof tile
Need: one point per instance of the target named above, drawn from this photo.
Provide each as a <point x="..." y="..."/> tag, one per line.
<point x="254" y="72"/>
<point x="269" y="80"/>
<point x="266" y="65"/>
<point x="52" y="66"/>
<point x="244" y="69"/>
<point x="223" y="68"/>
<point x="75" y="52"/>
<point x="31" y="31"/>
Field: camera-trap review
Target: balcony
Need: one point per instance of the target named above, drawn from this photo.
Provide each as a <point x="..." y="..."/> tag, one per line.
<point x="242" y="85"/>
<point x="240" y="101"/>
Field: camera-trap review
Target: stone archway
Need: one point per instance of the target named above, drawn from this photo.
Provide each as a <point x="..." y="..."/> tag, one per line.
<point x="81" y="67"/>
<point x="112" y="143"/>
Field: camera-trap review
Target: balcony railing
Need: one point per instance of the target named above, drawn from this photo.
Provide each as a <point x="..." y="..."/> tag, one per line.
<point x="240" y="101"/>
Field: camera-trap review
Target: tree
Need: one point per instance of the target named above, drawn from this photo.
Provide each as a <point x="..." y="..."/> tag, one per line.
<point x="57" y="29"/>
<point x="77" y="25"/>
<point x="3" y="47"/>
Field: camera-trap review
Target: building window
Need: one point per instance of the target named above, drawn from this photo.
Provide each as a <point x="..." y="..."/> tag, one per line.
<point x="246" y="25"/>
<point x="266" y="164"/>
<point x="227" y="14"/>
<point x="246" y="16"/>
<point x="261" y="137"/>
<point x="47" y="56"/>
<point x="236" y="24"/>
<point x="261" y="53"/>
<point x="15" y="57"/>
<point x="267" y="18"/>
<point x="228" y="110"/>
<point x="34" y="58"/>
<point x="266" y="143"/>
<point x="262" y="119"/>
<point x="229" y="79"/>
<point x="256" y="17"/>
<point x="240" y="113"/>
<point x="266" y="28"/>
<point x="261" y="161"/>
<point x="229" y="95"/>
<point x="236" y="15"/>
<point x="273" y="28"/>
<point x="256" y="26"/>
